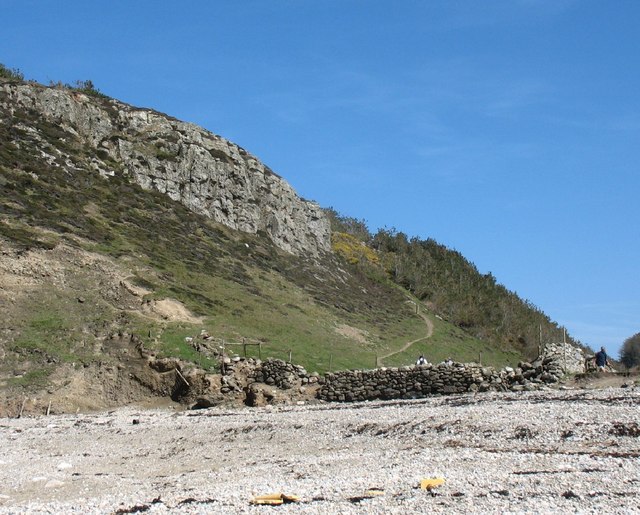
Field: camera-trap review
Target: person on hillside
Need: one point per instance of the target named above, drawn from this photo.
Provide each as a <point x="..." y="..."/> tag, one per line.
<point x="421" y="360"/>
<point x="602" y="360"/>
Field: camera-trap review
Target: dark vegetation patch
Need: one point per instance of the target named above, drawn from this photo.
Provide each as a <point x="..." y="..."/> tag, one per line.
<point x="524" y="433"/>
<point x="625" y="429"/>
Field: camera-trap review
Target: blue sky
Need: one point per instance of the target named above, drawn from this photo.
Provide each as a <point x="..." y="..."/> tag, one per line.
<point x="508" y="130"/>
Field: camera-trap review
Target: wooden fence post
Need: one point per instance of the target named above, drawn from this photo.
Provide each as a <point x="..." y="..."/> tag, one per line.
<point x="222" y="359"/>
<point x="182" y="377"/>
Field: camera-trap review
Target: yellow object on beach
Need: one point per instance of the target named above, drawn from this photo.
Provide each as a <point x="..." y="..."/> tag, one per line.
<point x="274" y="499"/>
<point x="431" y="483"/>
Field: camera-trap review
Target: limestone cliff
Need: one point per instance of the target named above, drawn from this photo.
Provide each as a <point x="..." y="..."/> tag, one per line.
<point x="203" y="171"/>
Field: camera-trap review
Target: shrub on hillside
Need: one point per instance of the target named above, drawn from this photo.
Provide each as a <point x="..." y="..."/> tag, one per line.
<point x="630" y="352"/>
<point x="349" y="225"/>
<point x="352" y="249"/>
<point x="7" y="73"/>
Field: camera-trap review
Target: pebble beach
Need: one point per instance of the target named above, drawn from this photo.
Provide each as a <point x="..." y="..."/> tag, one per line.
<point x="553" y="451"/>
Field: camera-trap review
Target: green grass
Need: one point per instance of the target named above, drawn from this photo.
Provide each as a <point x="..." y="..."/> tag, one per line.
<point x="45" y="332"/>
<point x="280" y="314"/>
<point x="449" y="341"/>
<point x="173" y="344"/>
<point x="36" y="377"/>
<point x="240" y="284"/>
<point x="52" y="329"/>
<point x="284" y="318"/>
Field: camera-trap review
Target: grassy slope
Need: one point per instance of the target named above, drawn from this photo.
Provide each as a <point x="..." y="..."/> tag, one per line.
<point x="450" y="341"/>
<point x="241" y="285"/>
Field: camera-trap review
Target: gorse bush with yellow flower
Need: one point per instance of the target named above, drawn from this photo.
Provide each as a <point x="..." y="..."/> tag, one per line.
<point x="352" y="249"/>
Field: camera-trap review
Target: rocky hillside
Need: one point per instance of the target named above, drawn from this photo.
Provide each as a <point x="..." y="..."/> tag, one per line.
<point x="134" y="246"/>
<point x="206" y="173"/>
<point x="126" y="234"/>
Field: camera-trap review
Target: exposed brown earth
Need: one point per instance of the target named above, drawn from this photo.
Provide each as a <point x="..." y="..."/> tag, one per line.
<point x="127" y="374"/>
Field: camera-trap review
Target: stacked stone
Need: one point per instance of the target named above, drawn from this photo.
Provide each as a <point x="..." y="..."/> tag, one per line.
<point x="407" y="382"/>
<point x="230" y="363"/>
<point x="566" y="356"/>
<point x="531" y="376"/>
<point x="229" y="384"/>
<point x="230" y="380"/>
<point x="284" y="375"/>
<point x="557" y="360"/>
<point x="421" y="381"/>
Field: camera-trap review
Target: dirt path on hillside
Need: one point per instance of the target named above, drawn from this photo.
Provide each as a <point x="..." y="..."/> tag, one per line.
<point x="429" y="324"/>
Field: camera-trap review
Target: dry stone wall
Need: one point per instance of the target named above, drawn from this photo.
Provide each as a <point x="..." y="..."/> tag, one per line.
<point x="275" y="381"/>
<point x="421" y="381"/>
<point x="407" y="382"/>
<point x="282" y="374"/>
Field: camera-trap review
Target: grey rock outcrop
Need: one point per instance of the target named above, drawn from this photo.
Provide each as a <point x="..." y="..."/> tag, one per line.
<point x="206" y="173"/>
